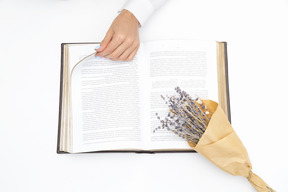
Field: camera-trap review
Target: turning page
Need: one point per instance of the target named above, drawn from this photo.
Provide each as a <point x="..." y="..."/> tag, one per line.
<point x="106" y="104"/>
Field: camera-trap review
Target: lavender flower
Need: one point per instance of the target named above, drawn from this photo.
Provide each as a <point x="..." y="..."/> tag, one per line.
<point x="187" y="117"/>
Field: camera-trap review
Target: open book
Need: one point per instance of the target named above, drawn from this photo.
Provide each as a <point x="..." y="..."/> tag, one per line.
<point x="110" y="105"/>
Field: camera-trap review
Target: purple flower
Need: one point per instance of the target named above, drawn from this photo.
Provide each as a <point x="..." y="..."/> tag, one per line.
<point x="187" y="117"/>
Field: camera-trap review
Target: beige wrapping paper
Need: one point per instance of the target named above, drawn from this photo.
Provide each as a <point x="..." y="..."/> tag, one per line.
<point x="221" y="145"/>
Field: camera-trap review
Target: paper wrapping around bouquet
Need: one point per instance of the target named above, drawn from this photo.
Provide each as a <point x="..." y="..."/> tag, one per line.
<point x="222" y="146"/>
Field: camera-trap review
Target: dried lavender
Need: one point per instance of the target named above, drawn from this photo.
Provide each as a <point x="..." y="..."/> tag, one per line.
<point x="187" y="117"/>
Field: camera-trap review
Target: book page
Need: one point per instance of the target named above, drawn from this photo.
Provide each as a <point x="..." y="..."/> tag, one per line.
<point x="189" y="64"/>
<point x="106" y="105"/>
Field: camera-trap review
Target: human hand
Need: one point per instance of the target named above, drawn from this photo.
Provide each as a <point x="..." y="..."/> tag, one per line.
<point x="122" y="39"/>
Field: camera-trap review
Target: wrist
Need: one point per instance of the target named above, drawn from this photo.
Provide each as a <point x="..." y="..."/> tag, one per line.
<point x="130" y="15"/>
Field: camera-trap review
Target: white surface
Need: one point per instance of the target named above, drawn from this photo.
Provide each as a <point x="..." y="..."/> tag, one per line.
<point x="30" y="37"/>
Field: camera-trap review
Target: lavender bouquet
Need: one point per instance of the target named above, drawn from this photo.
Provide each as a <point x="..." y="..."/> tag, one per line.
<point x="204" y="125"/>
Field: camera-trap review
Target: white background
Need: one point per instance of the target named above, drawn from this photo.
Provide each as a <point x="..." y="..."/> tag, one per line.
<point x="30" y="36"/>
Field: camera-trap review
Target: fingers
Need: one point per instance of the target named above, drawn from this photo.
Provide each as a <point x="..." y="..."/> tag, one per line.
<point x="129" y="53"/>
<point x="124" y="50"/>
<point x="116" y="41"/>
<point x="132" y="55"/>
<point x="106" y="40"/>
<point x="122" y="38"/>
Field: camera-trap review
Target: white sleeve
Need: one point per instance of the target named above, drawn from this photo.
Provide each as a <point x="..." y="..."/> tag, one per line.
<point x="142" y="9"/>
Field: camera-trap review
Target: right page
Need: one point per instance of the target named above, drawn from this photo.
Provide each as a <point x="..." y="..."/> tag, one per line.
<point x="189" y="64"/>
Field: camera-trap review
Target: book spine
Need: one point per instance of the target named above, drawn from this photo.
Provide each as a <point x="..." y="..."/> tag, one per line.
<point x="227" y="82"/>
<point x="60" y="98"/>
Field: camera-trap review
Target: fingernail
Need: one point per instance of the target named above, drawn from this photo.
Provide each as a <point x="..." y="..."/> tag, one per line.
<point x="97" y="46"/>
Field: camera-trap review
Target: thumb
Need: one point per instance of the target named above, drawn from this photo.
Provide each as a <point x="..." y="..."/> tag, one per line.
<point x="105" y="41"/>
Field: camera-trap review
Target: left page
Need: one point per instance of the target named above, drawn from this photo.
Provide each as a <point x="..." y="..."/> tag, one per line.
<point x="105" y="102"/>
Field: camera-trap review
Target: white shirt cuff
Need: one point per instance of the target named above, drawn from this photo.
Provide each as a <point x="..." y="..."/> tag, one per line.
<point x="142" y="9"/>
